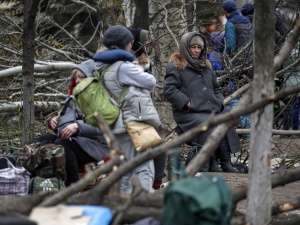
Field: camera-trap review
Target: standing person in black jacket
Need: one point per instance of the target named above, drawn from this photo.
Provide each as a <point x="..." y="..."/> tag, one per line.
<point x="192" y="89"/>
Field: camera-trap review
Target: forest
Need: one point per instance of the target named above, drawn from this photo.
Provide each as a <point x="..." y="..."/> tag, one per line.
<point x="42" y="40"/>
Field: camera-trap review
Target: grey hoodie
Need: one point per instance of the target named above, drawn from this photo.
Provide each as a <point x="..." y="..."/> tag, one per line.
<point x="87" y="67"/>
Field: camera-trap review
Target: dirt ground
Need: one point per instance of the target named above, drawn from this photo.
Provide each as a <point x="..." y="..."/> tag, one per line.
<point x="280" y="194"/>
<point x="281" y="146"/>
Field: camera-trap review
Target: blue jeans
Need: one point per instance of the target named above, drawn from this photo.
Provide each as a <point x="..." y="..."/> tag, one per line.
<point x="292" y="118"/>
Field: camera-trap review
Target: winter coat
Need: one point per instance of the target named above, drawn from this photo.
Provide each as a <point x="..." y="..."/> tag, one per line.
<point x="90" y="138"/>
<point x="217" y="41"/>
<point x="182" y="84"/>
<point x="137" y="105"/>
<point x="215" y="64"/>
<point x="238" y="32"/>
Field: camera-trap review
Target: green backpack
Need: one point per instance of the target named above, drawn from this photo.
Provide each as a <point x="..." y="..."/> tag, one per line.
<point x="51" y="185"/>
<point x="199" y="200"/>
<point x="92" y="96"/>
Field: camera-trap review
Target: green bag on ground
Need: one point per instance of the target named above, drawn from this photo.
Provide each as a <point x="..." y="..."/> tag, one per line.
<point x="51" y="185"/>
<point x="92" y="96"/>
<point x="199" y="200"/>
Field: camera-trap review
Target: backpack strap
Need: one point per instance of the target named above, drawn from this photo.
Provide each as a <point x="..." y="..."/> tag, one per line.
<point x="100" y="76"/>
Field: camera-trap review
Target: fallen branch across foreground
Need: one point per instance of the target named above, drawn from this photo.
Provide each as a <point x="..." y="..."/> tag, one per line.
<point x="95" y="196"/>
<point x="278" y="179"/>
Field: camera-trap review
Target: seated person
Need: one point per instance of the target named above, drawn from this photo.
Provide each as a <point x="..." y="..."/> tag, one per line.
<point x="83" y="143"/>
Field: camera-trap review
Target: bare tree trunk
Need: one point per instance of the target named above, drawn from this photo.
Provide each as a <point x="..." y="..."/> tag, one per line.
<point x="141" y="15"/>
<point x="191" y="15"/>
<point x="30" y="10"/>
<point x="259" y="193"/>
<point x="168" y="24"/>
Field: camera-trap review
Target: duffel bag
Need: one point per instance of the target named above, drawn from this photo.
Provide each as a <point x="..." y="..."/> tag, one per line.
<point x="51" y="185"/>
<point x="13" y="180"/>
<point x="47" y="160"/>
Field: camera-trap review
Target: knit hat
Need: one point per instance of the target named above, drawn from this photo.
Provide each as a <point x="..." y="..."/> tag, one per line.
<point x="247" y="9"/>
<point x="197" y="40"/>
<point x="139" y="36"/>
<point x="229" y="6"/>
<point x="117" y="35"/>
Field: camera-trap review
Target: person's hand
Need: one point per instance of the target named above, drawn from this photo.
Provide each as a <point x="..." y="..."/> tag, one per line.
<point x="53" y="122"/>
<point x="69" y="130"/>
<point x="188" y="104"/>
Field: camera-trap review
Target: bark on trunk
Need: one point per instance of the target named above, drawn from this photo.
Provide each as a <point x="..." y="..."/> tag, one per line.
<point x="30" y="11"/>
<point x="259" y="192"/>
<point x="166" y="27"/>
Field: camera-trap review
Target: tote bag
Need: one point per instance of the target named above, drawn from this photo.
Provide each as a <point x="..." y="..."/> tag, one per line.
<point x="13" y="180"/>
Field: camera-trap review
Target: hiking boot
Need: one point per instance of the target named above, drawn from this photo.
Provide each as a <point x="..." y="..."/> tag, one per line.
<point x="225" y="158"/>
<point x="226" y="165"/>
<point x="214" y="165"/>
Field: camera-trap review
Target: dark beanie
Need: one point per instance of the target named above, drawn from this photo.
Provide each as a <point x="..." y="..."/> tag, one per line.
<point x="229" y="6"/>
<point x="247" y="9"/>
<point x="117" y="35"/>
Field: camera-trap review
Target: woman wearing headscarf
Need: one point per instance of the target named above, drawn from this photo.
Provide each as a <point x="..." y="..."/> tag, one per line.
<point x="191" y="87"/>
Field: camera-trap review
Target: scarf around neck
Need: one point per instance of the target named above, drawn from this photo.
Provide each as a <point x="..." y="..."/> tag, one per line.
<point x="198" y="64"/>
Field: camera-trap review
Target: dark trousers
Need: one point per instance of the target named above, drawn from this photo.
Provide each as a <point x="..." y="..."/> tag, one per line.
<point x="74" y="155"/>
<point x="292" y="118"/>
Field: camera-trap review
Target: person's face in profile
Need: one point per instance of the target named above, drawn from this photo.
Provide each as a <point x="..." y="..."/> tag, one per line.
<point x="78" y="77"/>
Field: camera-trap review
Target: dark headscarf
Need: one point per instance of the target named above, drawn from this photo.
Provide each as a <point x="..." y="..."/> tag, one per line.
<point x="198" y="64"/>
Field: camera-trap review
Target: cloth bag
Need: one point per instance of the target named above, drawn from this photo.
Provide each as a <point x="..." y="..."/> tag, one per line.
<point x="14" y="180"/>
<point x="207" y="199"/>
<point x="70" y="215"/>
<point x="44" y="160"/>
<point x="51" y="185"/>
<point x="65" y="120"/>
<point x="143" y="135"/>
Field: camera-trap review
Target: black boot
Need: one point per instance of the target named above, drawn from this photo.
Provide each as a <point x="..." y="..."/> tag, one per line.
<point x="225" y="157"/>
<point x="226" y="165"/>
<point x="214" y="165"/>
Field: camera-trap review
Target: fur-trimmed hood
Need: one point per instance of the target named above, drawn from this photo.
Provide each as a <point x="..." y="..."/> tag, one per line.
<point x="180" y="63"/>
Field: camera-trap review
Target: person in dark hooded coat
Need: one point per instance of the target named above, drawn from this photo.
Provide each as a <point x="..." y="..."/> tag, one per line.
<point x="192" y="89"/>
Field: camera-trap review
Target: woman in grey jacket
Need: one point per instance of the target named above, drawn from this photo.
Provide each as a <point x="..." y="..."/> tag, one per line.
<point x="191" y="87"/>
<point x="118" y="41"/>
<point x="82" y="142"/>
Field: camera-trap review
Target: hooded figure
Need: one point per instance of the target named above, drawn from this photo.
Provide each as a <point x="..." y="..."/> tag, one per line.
<point x="87" y="68"/>
<point x="82" y="142"/>
<point x="190" y="85"/>
<point x="140" y="37"/>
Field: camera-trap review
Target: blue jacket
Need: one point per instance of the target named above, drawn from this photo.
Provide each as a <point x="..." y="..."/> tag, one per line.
<point x="238" y="32"/>
<point x="215" y="64"/>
